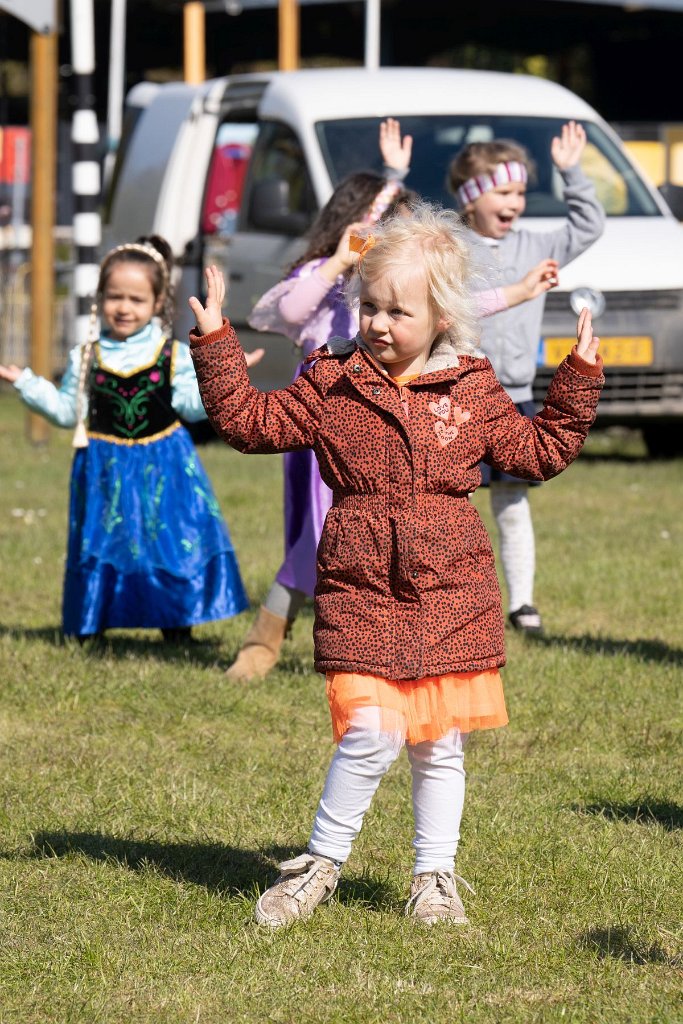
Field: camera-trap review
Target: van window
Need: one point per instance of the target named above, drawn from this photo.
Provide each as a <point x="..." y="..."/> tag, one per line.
<point x="351" y="145"/>
<point x="278" y="154"/>
<point x="225" y="180"/>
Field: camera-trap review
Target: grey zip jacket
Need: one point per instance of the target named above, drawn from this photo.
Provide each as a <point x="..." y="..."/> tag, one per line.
<point x="510" y="339"/>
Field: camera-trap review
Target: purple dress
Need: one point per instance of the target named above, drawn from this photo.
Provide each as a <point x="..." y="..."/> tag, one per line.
<point x="310" y="311"/>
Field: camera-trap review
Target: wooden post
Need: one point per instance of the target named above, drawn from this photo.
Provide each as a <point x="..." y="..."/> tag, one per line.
<point x="288" y="35"/>
<point x="44" y="148"/>
<point x="194" y="42"/>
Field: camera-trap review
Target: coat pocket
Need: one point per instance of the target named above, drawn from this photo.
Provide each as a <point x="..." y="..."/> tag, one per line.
<point x="354" y="549"/>
<point x="328" y="548"/>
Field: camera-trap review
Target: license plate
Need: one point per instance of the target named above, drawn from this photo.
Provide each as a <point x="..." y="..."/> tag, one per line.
<point x="628" y="351"/>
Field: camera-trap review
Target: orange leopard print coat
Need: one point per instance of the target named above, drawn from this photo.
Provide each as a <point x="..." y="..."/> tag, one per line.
<point x="407" y="586"/>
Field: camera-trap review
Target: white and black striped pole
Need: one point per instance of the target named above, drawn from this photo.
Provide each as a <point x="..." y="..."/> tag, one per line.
<point x="87" y="224"/>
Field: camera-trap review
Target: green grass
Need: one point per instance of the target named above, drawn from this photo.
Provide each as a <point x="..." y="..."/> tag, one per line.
<point x="147" y="799"/>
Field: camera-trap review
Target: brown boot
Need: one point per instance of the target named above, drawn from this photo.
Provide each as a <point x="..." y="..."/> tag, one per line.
<point x="260" y="648"/>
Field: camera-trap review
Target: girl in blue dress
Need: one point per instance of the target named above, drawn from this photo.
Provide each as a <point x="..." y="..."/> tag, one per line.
<point x="147" y="546"/>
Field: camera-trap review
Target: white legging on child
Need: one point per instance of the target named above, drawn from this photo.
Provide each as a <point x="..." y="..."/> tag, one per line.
<point x="510" y="507"/>
<point x="362" y="757"/>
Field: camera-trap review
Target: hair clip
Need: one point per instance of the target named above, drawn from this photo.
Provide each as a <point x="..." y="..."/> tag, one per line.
<point x="361" y="245"/>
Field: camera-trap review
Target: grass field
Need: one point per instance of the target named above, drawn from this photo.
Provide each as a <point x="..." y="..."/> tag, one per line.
<point x="147" y="800"/>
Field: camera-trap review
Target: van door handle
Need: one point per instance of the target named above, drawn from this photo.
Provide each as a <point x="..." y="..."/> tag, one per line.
<point x="236" y="277"/>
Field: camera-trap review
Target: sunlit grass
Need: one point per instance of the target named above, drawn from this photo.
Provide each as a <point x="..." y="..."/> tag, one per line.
<point x="146" y="798"/>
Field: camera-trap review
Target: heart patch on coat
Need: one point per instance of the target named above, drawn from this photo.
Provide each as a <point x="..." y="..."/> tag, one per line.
<point x="445" y="434"/>
<point x="460" y="415"/>
<point x="442" y="408"/>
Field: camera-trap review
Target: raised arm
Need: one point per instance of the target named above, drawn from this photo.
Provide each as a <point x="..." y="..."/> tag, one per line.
<point x="539" y="280"/>
<point x="586" y="219"/>
<point x="56" y="404"/>
<point x="246" y="418"/>
<point x="541" y="448"/>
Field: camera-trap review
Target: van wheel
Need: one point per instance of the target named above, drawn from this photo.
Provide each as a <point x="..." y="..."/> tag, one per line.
<point x="663" y="440"/>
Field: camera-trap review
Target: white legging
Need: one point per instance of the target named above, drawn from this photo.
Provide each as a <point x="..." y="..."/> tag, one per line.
<point x="361" y="759"/>
<point x="510" y="507"/>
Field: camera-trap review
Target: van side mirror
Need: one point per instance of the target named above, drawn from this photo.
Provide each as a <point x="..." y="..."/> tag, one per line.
<point x="269" y="208"/>
<point x="673" y="195"/>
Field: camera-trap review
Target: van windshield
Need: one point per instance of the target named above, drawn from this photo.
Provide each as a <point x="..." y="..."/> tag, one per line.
<point x="351" y="145"/>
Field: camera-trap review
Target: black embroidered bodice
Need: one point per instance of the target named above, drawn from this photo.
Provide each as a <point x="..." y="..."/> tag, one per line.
<point x="133" y="406"/>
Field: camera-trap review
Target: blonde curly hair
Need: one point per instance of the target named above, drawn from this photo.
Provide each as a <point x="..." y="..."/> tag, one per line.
<point x="433" y="238"/>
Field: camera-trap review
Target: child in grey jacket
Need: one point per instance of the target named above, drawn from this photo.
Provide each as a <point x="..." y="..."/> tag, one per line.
<point x="489" y="180"/>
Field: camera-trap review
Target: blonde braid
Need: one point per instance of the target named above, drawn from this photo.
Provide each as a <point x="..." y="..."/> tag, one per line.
<point x="168" y="309"/>
<point x="80" y="438"/>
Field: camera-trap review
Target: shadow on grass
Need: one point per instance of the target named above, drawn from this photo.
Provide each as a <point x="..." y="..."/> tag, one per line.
<point x="645" y="812"/>
<point x="648" y="650"/>
<point x="227" y="869"/>
<point x="212" y="865"/>
<point x="121" y="646"/>
<point x="619" y="943"/>
<point x="373" y="893"/>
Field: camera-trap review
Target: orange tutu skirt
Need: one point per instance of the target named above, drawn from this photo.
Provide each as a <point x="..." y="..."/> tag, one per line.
<point x="418" y="709"/>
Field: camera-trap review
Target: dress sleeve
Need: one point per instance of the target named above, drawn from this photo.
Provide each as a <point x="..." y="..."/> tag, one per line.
<point x="56" y="404"/>
<point x="542" y="447"/>
<point x="253" y="421"/>
<point x="287" y="306"/>
<point x="490" y="301"/>
<point x="185" y="396"/>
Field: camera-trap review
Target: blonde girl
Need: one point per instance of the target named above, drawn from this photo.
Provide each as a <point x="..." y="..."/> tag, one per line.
<point x="409" y="626"/>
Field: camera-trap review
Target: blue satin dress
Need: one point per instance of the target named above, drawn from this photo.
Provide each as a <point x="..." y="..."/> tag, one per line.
<point x="148" y="546"/>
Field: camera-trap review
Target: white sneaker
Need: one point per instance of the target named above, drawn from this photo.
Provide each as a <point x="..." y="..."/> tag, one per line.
<point x="434" y="897"/>
<point x="304" y="882"/>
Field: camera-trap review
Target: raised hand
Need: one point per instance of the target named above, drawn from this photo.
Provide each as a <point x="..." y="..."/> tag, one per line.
<point x="395" y="153"/>
<point x="209" y="316"/>
<point x="566" y="149"/>
<point x="535" y="282"/>
<point x="10" y="373"/>
<point x="343" y="257"/>
<point x="587" y="344"/>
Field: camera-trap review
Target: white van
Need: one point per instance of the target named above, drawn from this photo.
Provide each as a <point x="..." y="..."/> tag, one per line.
<point x="234" y="170"/>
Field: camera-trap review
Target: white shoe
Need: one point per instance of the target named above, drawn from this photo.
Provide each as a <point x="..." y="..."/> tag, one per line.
<point x="304" y="883"/>
<point x="434" y="897"/>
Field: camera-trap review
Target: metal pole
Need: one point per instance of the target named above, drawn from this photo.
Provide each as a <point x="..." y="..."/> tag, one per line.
<point x="44" y="131"/>
<point x="288" y="35"/>
<point x="194" y="36"/>
<point x="116" y="84"/>
<point x="372" y="41"/>
<point x="86" y="169"/>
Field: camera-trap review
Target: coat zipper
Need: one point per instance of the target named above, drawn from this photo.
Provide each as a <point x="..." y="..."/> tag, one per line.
<point x="403" y="395"/>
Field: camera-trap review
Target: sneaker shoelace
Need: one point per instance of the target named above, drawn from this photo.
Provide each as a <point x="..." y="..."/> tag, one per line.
<point x="440" y="888"/>
<point x="302" y="870"/>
